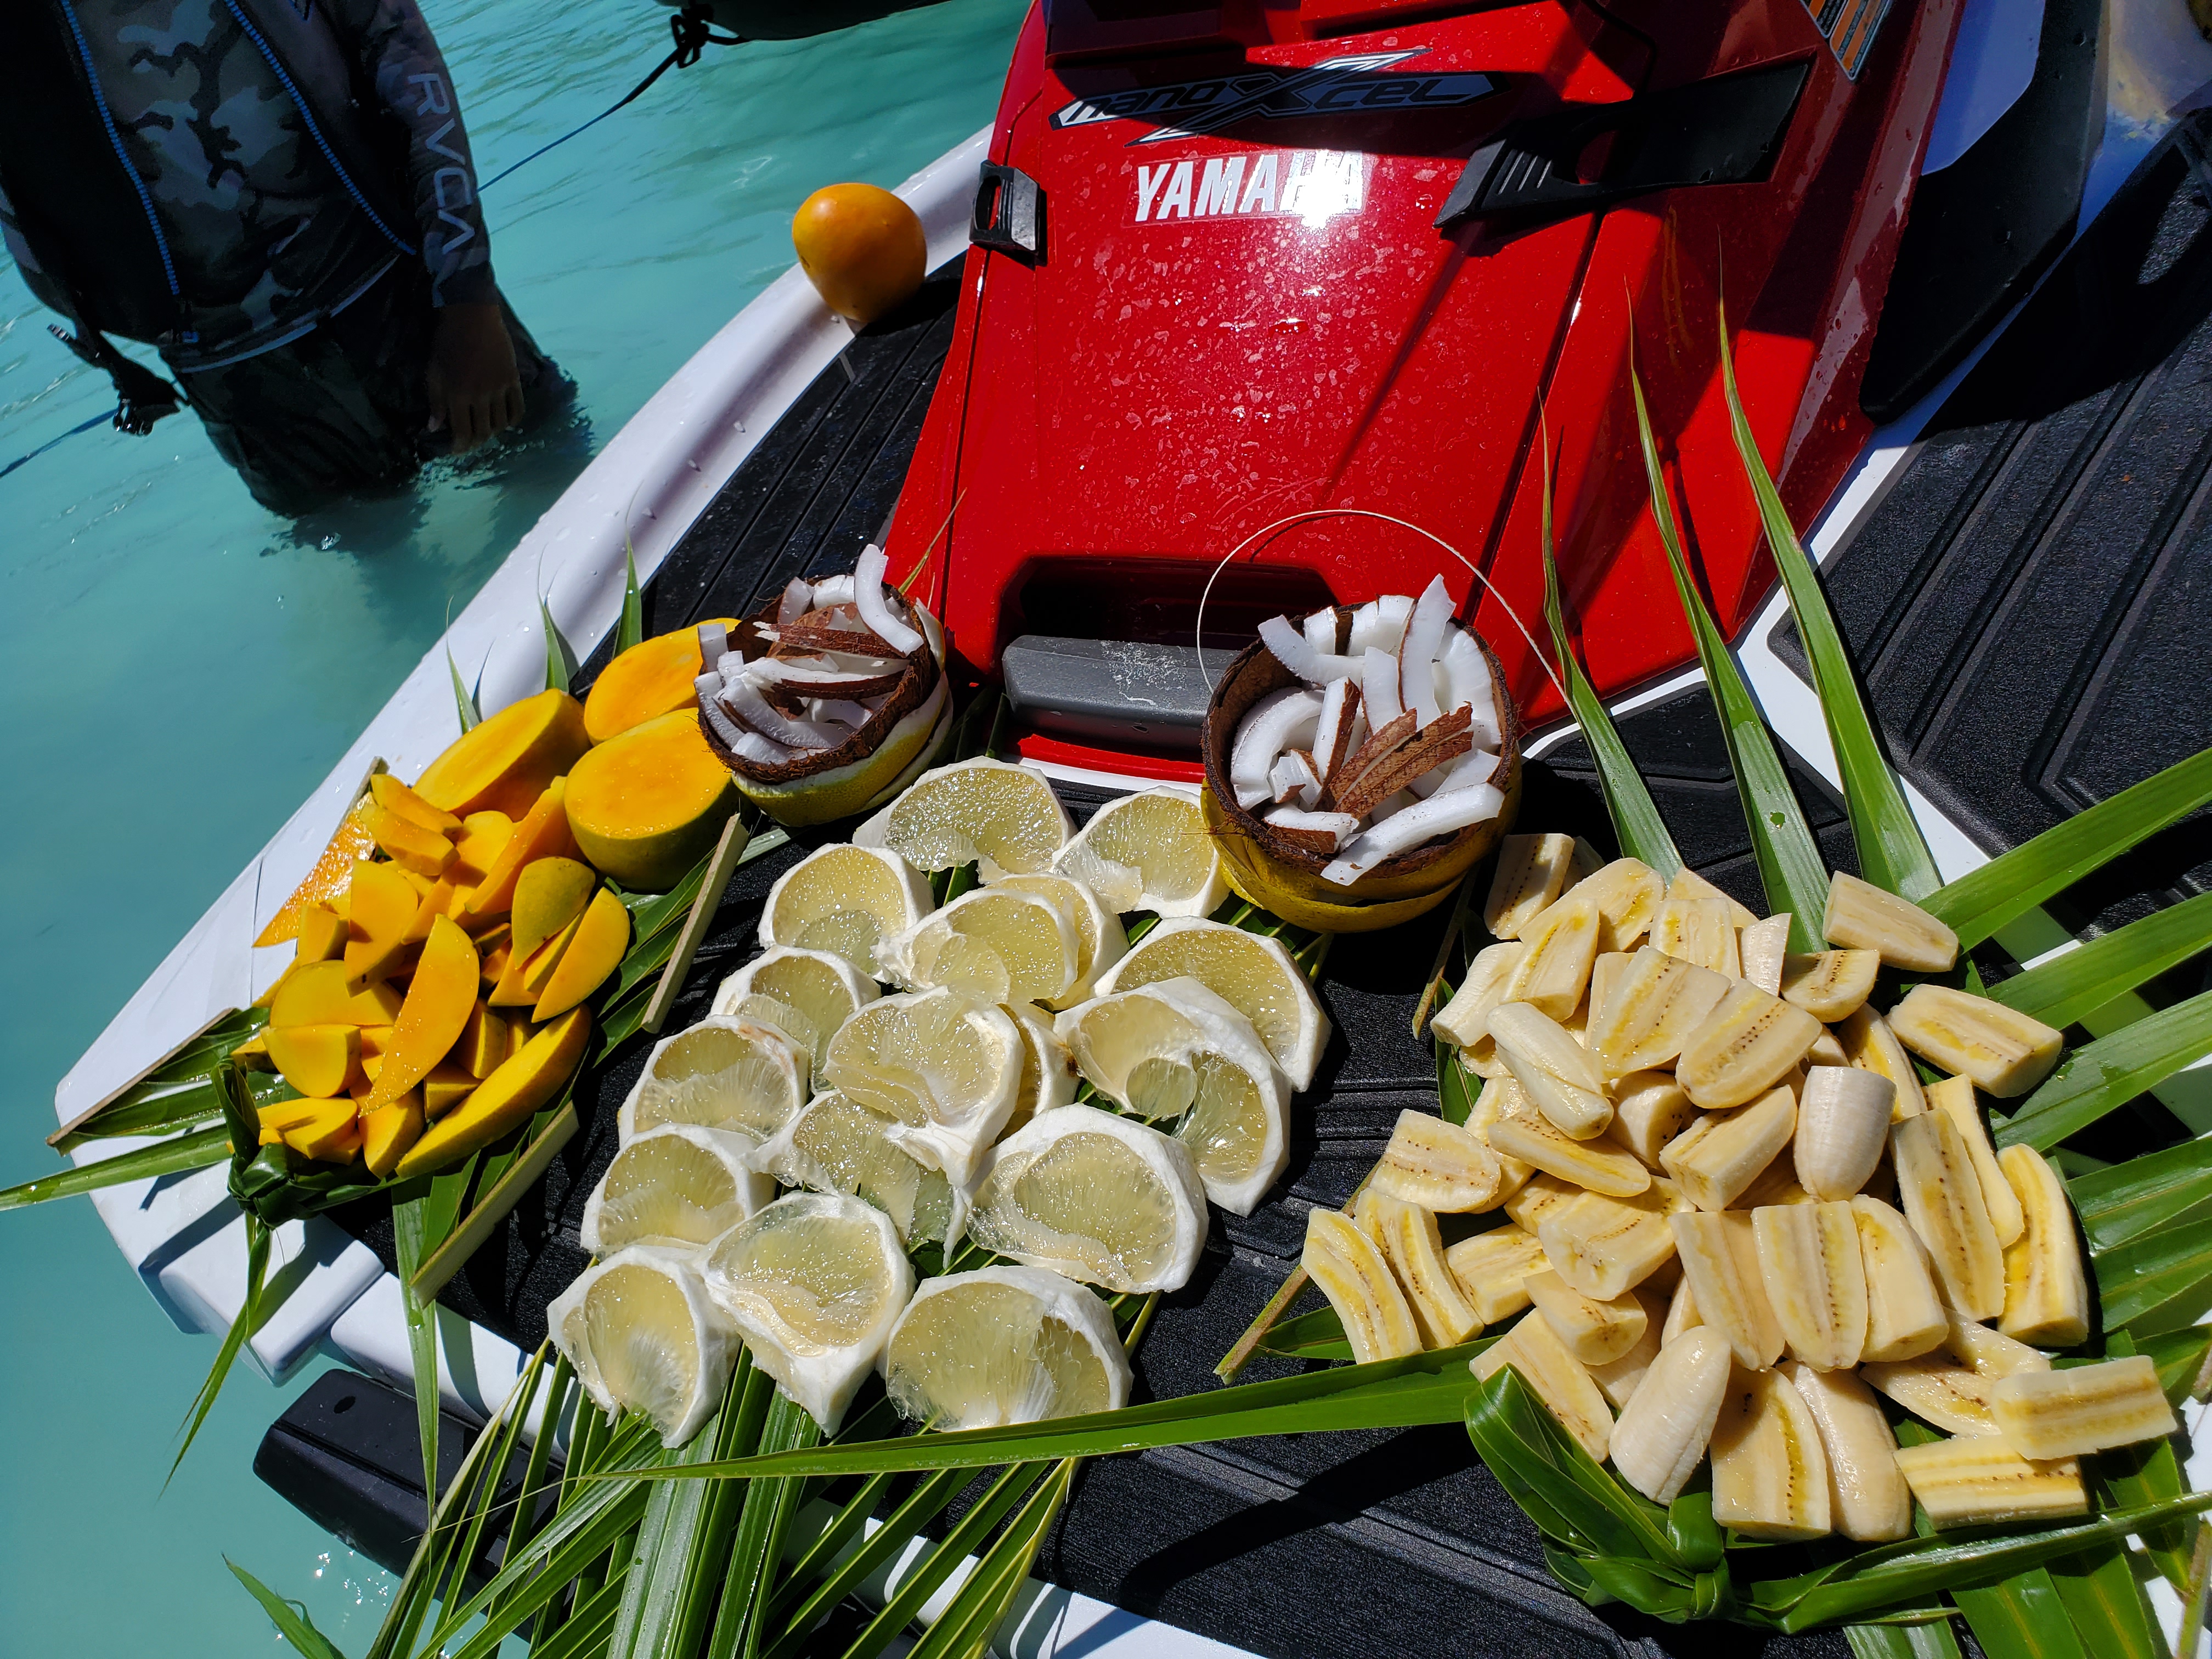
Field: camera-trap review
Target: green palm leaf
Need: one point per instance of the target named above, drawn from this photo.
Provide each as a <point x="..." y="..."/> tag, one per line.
<point x="1790" y="867"/>
<point x="2065" y="989"/>
<point x="190" y="1151"/>
<point x="560" y="661"/>
<point x="631" y="630"/>
<point x="465" y="704"/>
<point x="290" y="1617"/>
<point x="2169" y="1267"/>
<point x="2123" y="1200"/>
<point x="2009" y="886"/>
<point x="250" y="1312"/>
<point x="2102" y="1076"/>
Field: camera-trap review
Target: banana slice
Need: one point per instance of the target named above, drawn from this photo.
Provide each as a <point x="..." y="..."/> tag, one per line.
<point x="1943" y="1199"/>
<point x="2086" y="1408"/>
<point x="1809" y="1266"/>
<point x="1437" y="1165"/>
<point x="1554" y="970"/>
<point x="1987" y="1352"/>
<point x="1664" y="1429"/>
<point x="1722" y="1153"/>
<point x="1557" y="1073"/>
<point x="1748" y="1044"/>
<point x="1978" y="1480"/>
<point x="1410" y="1241"/>
<point x="1954" y="1097"/>
<point x="1681" y="1311"/>
<point x="1720" y="1263"/>
<point x="1867" y="1498"/>
<point x="1558" y="1380"/>
<point x="1936" y="1388"/>
<point x="1353" y="1275"/>
<point x="1870" y="1044"/>
<point x="1699" y="931"/>
<point x="1544" y="1192"/>
<point x="1596" y="1332"/>
<point x="1501" y="1097"/>
<point x="1532" y="870"/>
<point x="1492" y="1268"/>
<point x="1770" y="1470"/>
<point x="1649" y="1109"/>
<point x="1904" y="1317"/>
<point x="1465" y="1021"/>
<point x="1763" y="947"/>
<point x="1843" y="1128"/>
<point x="1604" y="1246"/>
<point x="1862" y="917"/>
<point x="2005" y="1053"/>
<point x="1649" y="1010"/>
<point x="2047" y="1293"/>
<point x="1829" y="985"/>
<point x="1689" y="885"/>
<point x="1597" y="1166"/>
<point x="1618" y="1379"/>
<point x="1627" y="893"/>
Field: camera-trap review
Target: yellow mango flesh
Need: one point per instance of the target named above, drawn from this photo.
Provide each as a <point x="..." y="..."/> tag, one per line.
<point x="332" y="1135"/>
<point x="503" y="763"/>
<point x="505" y="1100"/>
<point x="322" y="934"/>
<point x="524" y="981"/>
<point x="438" y="901"/>
<point x="318" y="1060"/>
<point x="408" y="845"/>
<point x="440" y="1000"/>
<point x="648" y="804"/>
<point x="649" y="679"/>
<point x="333" y="870"/>
<point x="397" y="797"/>
<point x="602" y="935"/>
<point x="496" y="952"/>
<point x="388" y="1131"/>
<point x="284" y="1114"/>
<point x="549" y="895"/>
<point x="483" y="837"/>
<point x="446" y="1088"/>
<point x="314" y="993"/>
<point x="383" y="905"/>
<point x="483" y="1044"/>
<point x="544" y="833"/>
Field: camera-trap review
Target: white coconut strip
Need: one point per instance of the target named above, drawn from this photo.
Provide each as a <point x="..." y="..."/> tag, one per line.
<point x="856" y="664"/>
<point x="1391" y="808"/>
<point x="1417" y="652"/>
<point x="709" y="685"/>
<point x="1329" y="733"/>
<point x="1467" y="672"/>
<point x="1292" y="649"/>
<point x="798" y="599"/>
<point x="1321" y="631"/>
<point x="1410" y="827"/>
<point x="875" y="610"/>
<point x="1292" y="778"/>
<point x="1342" y="826"/>
<point x="744" y="700"/>
<point x="731" y="666"/>
<point x="833" y="590"/>
<point x="817" y="678"/>
<point x="1471" y="768"/>
<point x="713" y="641"/>
<point x="842" y="710"/>
<point x="1282" y="719"/>
<point x="1378" y="688"/>
<point x="746" y="745"/>
<point x="1381" y="625"/>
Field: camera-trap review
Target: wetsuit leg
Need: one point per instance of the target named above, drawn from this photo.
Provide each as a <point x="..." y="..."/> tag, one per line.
<point x="342" y="409"/>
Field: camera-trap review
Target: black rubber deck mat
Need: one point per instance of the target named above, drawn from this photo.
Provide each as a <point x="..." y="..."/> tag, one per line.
<point x="2029" y="603"/>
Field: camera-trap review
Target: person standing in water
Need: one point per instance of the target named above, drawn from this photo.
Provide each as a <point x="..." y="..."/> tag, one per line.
<point x="277" y="195"/>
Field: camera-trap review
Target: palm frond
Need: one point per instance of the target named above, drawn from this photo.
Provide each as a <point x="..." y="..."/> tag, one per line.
<point x="247" y="1322"/>
<point x="631" y="630"/>
<point x="198" y="1151"/>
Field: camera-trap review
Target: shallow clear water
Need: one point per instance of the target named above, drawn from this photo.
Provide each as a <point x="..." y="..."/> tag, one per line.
<point x="179" y="668"/>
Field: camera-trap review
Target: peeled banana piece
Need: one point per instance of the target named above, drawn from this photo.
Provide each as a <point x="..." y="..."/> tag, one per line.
<point x="1465" y="1020"/>
<point x="1556" y="1377"/>
<point x="1545" y="1193"/>
<point x="1604" y="1246"/>
<point x="1861" y="917"/>
<point x="1989" y="1353"/>
<point x="1665" y="1427"/>
<point x="1829" y="985"/>
<point x="1558" y="1073"/>
<point x="1689" y="885"/>
<point x="1493" y="1270"/>
<point x="1595" y="1331"/>
<point x="2006" y="1053"/>
<point x="1699" y="931"/>
<point x="1938" y="1390"/>
<point x="1353" y="1274"/>
<point x="1720" y="1263"/>
<point x="1954" y="1097"/>
<point x="2047" y="1293"/>
<point x="1843" y="1128"/>
<point x="2084" y="1408"/>
<point x="1722" y="1153"/>
<point x="1437" y="1165"/>
<point x="1770" y="1470"/>
<point x="1561" y="943"/>
<point x="1627" y="893"/>
<point x="1532" y="870"/>
<point x="1974" y="1480"/>
<point x="1763" y="947"/>
<point x="1648" y="1110"/>
<point x="1407" y="1236"/>
<point x="1501" y="1097"/>
<point x="1649" y="1009"/>
<point x="1618" y="1379"/>
<point x="1808" y="1263"/>
<point x="1942" y="1196"/>
<point x="1870" y="1044"/>
<point x="1905" y="1316"/>
<point x="1867" y="1498"/>
<point x="1597" y="1166"/>
<point x="1681" y="1311"/>
<point x="1748" y="1044"/>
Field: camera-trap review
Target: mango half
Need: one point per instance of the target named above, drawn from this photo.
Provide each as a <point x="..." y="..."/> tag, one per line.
<point x="652" y="678"/>
<point x="503" y="764"/>
<point x="648" y="804"/>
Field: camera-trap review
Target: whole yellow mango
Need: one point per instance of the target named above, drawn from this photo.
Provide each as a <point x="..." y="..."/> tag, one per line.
<point x="862" y="248"/>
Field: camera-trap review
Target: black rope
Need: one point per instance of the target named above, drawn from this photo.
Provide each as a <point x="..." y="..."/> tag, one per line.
<point x="145" y="397"/>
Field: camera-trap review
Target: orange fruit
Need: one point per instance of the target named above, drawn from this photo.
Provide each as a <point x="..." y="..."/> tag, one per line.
<point x="862" y="248"/>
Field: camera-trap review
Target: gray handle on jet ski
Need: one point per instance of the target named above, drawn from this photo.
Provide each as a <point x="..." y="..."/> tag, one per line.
<point x="1009" y="216"/>
<point x="1721" y="131"/>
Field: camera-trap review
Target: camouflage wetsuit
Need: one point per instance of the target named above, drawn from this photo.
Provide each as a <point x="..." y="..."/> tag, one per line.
<point x="278" y="194"/>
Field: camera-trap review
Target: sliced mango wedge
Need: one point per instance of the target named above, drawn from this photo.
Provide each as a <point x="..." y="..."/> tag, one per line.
<point x="440" y="1000"/>
<point x="506" y="1099"/>
<point x="596" y="950"/>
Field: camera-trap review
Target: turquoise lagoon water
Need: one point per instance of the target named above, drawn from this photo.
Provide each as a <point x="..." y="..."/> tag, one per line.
<point x="180" y="669"/>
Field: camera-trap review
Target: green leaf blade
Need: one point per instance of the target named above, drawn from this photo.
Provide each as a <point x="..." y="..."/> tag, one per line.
<point x="465" y="704"/>
<point x="2100" y="1077"/>
<point x="198" y="1150"/>
<point x="630" y="631"/>
<point x="2061" y="991"/>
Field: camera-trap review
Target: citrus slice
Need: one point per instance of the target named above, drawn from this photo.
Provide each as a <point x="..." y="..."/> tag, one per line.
<point x="1174" y="1048"/>
<point x="814" y="1283"/>
<point x="720" y="1074"/>
<point x="994" y="945"/>
<point x="844" y="900"/>
<point x="1048" y="1075"/>
<point x="1004" y="819"/>
<point x="822" y="989"/>
<point x="945" y="1069"/>
<point x="1147" y="851"/>
<point x="1002" y="1346"/>
<point x="1251" y="972"/>
<point x="643" y="1336"/>
<point x="679" y="1185"/>
<point x="1099" y="940"/>
<point x="1100" y="1198"/>
<point x="835" y="1145"/>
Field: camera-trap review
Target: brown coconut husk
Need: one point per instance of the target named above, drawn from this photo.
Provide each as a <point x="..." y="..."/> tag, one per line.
<point x="1251" y="675"/>
<point x="811" y="633"/>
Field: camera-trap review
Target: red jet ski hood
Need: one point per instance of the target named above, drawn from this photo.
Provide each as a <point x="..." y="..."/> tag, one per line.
<point x="1250" y="262"/>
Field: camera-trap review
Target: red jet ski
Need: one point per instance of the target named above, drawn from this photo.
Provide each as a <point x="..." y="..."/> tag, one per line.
<point x="1249" y="265"/>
